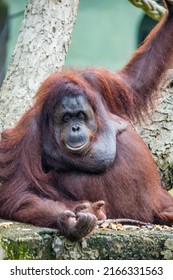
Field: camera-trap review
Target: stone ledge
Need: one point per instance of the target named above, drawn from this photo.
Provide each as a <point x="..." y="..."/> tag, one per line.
<point x="25" y="242"/>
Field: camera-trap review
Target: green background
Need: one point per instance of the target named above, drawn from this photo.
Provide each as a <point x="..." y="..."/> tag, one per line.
<point x="105" y="33"/>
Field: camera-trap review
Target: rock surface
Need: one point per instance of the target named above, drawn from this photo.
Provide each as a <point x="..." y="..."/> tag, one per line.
<point x="26" y="242"/>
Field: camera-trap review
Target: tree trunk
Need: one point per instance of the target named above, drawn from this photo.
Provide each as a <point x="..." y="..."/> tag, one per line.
<point x="158" y="135"/>
<point x="40" y="50"/>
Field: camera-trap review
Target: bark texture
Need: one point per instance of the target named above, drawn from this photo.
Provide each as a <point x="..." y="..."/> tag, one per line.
<point x="158" y="135"/>
<point x="40" y="50"/>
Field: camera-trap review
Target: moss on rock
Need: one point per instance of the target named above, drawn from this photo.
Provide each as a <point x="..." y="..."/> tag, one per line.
<point x="26" y="242"/>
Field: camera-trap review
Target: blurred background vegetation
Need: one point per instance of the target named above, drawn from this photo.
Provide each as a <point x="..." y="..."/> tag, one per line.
<point x="105" y="34"/>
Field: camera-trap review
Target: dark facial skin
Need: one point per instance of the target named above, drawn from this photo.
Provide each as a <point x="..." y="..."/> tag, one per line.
<point x="83" y="144"/>
<point x="75" y="124"/>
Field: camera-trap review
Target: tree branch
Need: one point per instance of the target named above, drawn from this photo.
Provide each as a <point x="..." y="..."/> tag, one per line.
<point x="40" y="50"/>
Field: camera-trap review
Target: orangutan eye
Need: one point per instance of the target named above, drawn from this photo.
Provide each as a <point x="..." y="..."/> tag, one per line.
<point x="81" y="115"/>
<point x="66" y="118"/>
